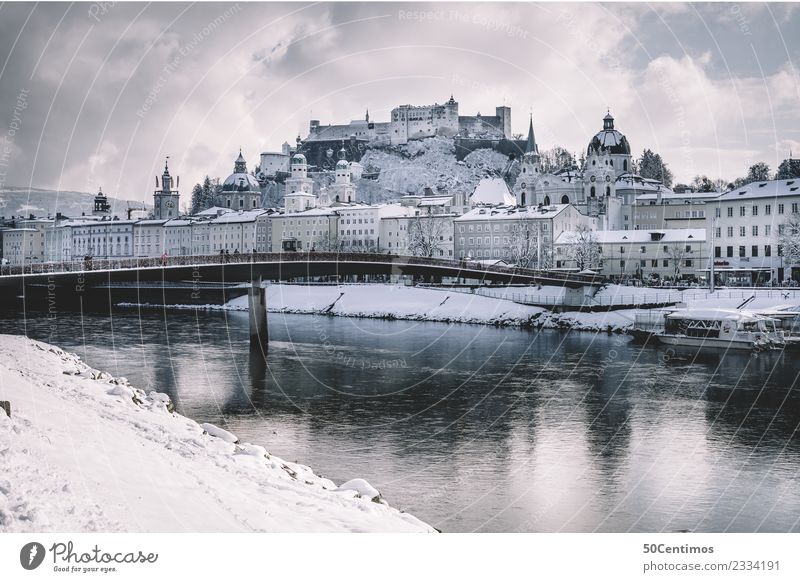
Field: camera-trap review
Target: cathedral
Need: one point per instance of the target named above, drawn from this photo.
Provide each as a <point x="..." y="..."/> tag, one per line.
<point x="240" y="190"/>
<point x="606" y="189"/>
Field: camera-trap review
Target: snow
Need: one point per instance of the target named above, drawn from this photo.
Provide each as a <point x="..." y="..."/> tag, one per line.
<point x="85" y="452"/>
<point x="492" y="191"/>
<point x="219" y="433"/>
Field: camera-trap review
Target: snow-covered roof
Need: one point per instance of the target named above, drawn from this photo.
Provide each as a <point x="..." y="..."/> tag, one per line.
<point x="716" y="314"/>
<point x="512" y="212"/>
<point x="629" y="180"/>
<point x="688" y="196"/>
<point x="213" y="211"/>
<point x="492" y="191"/>
<point x="310" y="212"/>
<point x="768" y="189"/>
<point x="150" y="222"/>
<point x="241" y="182"/>
<point x="232" y="217"/>
<point x="666" y="236"/>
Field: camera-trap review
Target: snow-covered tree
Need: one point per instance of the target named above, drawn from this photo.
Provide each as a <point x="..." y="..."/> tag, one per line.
<point x="426" y="236"/>
<point x="327" y="243"/>
<point x="677" y="253"/>
<point x="789" y="239"/>
<point x="788" y="169"/>
<point x="704" y="184"/>
<point x="584" y="250"/>
<point x="650" y="165"/>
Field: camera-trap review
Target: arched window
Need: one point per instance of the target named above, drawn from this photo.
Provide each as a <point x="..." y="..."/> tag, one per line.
<point x="522" y="198"/>
<point x="592" y="193"/>
<point x="624" y="164"/>
<point x="547" y="200"/>
<point x="608" y="190"/>
<point x="565" y="199"/>
<point x="594" y="162"/>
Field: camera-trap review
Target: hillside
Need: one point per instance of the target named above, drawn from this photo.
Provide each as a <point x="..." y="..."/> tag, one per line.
<point x="22" y="201"/>
<point x="431" y="162"/>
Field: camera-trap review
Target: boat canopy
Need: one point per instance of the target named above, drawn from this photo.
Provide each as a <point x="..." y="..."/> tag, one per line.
<point x="716" y="314"/>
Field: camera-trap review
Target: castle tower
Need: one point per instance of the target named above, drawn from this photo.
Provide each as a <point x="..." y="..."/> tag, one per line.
<point x="166" y="200"/>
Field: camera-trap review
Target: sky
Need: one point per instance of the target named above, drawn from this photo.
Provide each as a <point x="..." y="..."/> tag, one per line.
<point x="97" y="95"/>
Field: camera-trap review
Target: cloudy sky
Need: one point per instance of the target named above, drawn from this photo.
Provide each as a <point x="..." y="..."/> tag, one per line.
<point x="95" y="96"/>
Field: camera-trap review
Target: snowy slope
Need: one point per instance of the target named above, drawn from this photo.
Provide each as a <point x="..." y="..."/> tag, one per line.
<point x="21" y="201"/>
<point x="432" y="162"/>
<point x="86" y="452"/>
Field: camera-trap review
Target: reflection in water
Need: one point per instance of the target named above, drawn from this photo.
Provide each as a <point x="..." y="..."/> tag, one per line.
<point x="478" y="428"/>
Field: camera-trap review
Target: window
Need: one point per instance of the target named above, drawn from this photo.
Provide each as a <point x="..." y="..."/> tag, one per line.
<point x="622" y="263"/>
<point x="741" y="211"/>
<point x="768" y="209"/>
<point x="767" y="229"/>
<point x="729" y="251"/>
<point x="718" y="232"/>
<point x="794" y="207"/>
<point x="755" y="230"/>
<point x="654" y="263"/>
<point x="742" y="231"/>
<point x="642" y="263"/>
<point x="730" y="212"/>
<point x="741" y="251"/>
<point x="755" y="210"/>
<point x="642" y="249"/>
<point x="780" y="208"/>
<point x="717" y="212"/>
<point x="767" y="251"/>
<point x="730" y="231"/>
<point x="717" y="252"/>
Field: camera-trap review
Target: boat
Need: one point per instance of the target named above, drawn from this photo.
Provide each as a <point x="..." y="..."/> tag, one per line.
<point x="787" y="321"/>
<point x="711" y="328"/>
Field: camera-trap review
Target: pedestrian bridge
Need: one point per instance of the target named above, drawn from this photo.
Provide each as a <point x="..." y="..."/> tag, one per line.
<point x="80" y="275"/>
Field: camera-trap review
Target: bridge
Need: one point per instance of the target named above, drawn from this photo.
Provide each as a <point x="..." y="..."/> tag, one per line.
<point x="210" y="278"/>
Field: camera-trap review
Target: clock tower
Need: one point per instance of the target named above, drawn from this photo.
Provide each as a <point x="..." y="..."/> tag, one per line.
<point x="165" y="201"/>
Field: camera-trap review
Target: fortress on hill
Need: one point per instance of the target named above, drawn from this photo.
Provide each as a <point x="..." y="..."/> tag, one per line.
<point x="409" y="122"/>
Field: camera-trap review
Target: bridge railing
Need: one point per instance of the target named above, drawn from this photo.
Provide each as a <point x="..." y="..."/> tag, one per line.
<point x="92" y="264"/>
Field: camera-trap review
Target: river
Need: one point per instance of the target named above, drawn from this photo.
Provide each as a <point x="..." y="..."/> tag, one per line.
<point x="475" y="428"/>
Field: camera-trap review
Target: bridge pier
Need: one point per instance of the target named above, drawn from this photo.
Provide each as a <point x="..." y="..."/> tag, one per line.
<point x="257" y="304"/>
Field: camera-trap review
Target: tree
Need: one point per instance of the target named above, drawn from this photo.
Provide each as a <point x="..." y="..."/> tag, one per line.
<point x="758" y="172"/>
<point x="328" y="243"/>
<point x="703" y="184"/>
<point x="651" y="166"/>
<point x="584" y="248"/>
<point x="426" y="236"/>
<point x="789" y="239"/>
<point x="788" y="169"/>
<point x="197" y="199"/>
<point x="525" y="249"/>
<point x="555" y="159"/>
<point x="677" y="253"/>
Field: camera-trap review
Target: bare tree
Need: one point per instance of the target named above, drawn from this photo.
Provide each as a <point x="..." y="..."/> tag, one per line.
<point x="584" y="248"/>
<point x="677" y="253"/>
<point x="328" y="242"/>
<point x="789" y="239"/>
<point x="426" y="235"/>
<point x="526" y="250"/>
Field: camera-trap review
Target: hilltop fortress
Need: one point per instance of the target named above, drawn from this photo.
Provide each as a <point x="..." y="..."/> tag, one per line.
<point x="409" y="122"/>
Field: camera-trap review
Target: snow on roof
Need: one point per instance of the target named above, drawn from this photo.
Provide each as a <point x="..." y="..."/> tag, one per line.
<point x="492" y="191"/>
<point x="330" y="211"/>
<point x="689" y="196"/>
<point x="213" y="211"/>
<point x="245" y="216"/>
<point x="768" y="189"/>
<point x="712" y="313"/>
<point x="682" y="235"/>
<point x="512" y="212"/>
<point x="628" y="180"/>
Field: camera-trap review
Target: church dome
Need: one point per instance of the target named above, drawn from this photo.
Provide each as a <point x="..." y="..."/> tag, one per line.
<point x="342" y="165"/>
<point x="609" y="140"/>
<point x="298" y="159"/>
<point x="241" y="182"/>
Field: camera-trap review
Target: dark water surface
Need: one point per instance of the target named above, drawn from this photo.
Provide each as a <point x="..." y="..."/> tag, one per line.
<point x="478" y="428"/>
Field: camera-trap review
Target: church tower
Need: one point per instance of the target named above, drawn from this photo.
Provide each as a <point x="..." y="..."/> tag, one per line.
<point x="342" y="190"/>
<point x="528" y="178"/>
<point x="299" y="194"/>
<point x="101" y="205"/>
<point x="166" y="200"/>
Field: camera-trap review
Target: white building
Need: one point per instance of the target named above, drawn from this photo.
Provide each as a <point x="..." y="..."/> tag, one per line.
<point x="490" y="232"/>
<point x="640" y="254"/>
<point x="148" y="238"/>
<point x="315" y="228"/>
<point x="100" y="239"/>
<point x="746" y="223"/>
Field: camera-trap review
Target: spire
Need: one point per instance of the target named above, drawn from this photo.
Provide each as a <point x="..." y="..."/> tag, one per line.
<point x="240" y="166"/>
<point x="530" y="146"/>
<point x="367" y="116"/>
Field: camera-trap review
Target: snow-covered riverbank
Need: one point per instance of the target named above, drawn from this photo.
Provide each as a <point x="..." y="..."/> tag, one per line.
<point x="83" y="451"/>
<point x="494" y="306"/>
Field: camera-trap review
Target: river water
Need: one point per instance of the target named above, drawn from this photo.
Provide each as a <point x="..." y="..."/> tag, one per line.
<point x="474" y="428"/>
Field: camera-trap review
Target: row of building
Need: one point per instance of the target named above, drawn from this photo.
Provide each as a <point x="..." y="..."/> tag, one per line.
<point x="633" y="227"/>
